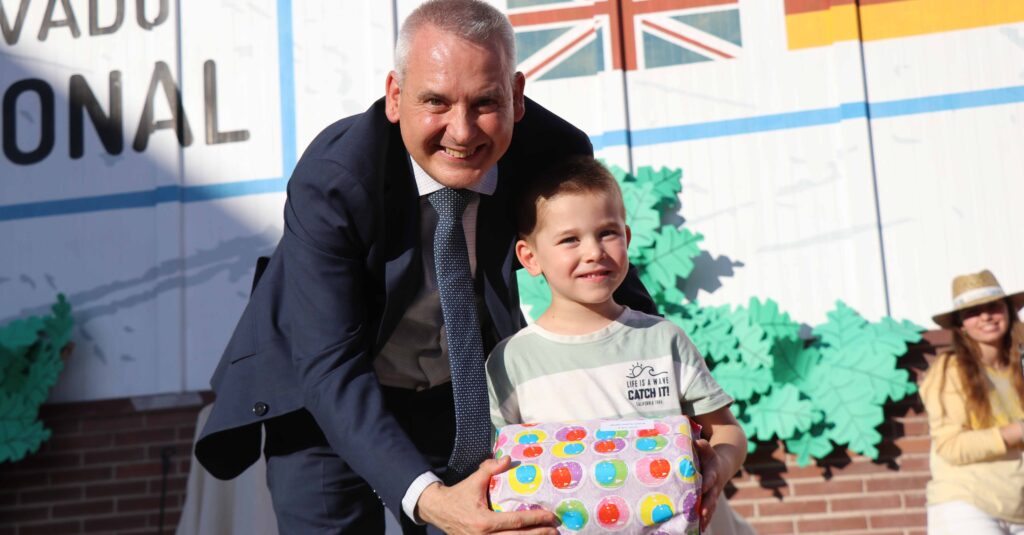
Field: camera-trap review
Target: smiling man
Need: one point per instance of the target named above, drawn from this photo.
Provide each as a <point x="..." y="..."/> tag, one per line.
<point x="361" y="352"/>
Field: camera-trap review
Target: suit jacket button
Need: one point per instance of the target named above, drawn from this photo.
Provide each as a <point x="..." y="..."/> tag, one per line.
<point x="260" y="408"/>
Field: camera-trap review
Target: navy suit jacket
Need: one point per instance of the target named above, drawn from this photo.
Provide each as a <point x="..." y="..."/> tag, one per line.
<point x="339" y="281"/>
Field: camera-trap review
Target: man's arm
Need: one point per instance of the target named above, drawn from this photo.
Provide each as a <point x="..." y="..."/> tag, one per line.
<point x="328" y="233"/>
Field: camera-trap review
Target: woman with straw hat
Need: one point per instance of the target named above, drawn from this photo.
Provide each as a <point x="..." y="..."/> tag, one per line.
<point x="974" y="397"/>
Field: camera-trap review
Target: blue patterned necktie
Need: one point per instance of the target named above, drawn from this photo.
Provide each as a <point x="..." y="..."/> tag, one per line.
<point x="462" y="329"/>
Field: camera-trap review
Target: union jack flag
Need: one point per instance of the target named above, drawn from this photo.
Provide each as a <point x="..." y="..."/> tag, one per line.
<point x="563" y="38"/>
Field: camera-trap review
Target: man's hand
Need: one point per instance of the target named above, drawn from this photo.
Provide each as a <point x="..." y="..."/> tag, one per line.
<point x="463" y="509"/>
<point x="713" y="481"/>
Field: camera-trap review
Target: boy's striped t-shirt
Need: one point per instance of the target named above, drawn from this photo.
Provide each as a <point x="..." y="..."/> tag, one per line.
<point x="638" y="366"/>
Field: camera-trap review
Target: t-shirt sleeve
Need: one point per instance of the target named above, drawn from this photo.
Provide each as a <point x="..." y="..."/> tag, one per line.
<point x="699" y="393"/>
<point x="500" y="389"/>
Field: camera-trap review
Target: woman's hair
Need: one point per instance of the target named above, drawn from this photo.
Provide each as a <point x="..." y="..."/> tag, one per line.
<point x="968" y="358"/>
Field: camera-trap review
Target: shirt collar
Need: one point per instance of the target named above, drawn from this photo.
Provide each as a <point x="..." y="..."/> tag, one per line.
<point x="425" y="184"/>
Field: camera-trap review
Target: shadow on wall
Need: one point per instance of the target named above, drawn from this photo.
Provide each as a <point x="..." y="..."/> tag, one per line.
<point x="78" y="164"/>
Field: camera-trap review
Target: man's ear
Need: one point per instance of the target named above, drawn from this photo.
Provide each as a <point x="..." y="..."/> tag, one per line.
<point x="526" y="256"/>
<point x="518" y="98"/>
<point x="392" y="96"/>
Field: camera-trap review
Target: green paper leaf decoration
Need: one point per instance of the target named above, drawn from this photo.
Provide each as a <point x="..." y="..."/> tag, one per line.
<point x="811" y="443"/>
<point x="775" y="323"/>
<point x="742" y="381"/>
<point x="30" y="364"/>
<point x="641" y="215"/>
<point x="672" y="258"/>
<point x="665" y="182"/>
<point x="781" y="413"/>
<point x="533" y="292"/>
<point x="794" y="363"/>
<point x="753" y="344"/>
<point x="812" y="394"/>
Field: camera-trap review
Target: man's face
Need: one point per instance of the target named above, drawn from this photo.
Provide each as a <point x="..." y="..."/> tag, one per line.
<point x="456" y="106"/>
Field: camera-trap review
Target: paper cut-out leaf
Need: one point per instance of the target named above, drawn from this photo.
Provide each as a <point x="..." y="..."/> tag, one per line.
<point x="742" y="381"/>
<point x="533" y="292"/>
<point x="775" y="323"/>
<point x="753" y="343"/>
<point x="665" y="182"/>
<point x="641" y="215"/>
<point x="793" y="363"/>
<point x="672" y="258"/>
<point x="781" y="413"/>
<point x="811" y="443"/>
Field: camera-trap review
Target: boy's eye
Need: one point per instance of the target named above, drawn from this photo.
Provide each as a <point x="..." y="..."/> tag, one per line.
<point x="568" y="239"/>
<point x="607" y="233"/>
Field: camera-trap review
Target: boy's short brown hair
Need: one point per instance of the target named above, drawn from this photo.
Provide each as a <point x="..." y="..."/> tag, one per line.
<point x="574" y="174"/>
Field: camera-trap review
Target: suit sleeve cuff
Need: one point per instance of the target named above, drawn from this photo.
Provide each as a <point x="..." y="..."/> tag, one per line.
<point x="412" y="496"/>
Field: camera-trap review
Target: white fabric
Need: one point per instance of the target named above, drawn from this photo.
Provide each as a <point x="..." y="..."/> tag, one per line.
<point x="977" y="293"/>
<point x="412" y="496"/>
<point x="957" y="517"/>
<point x="240" y="506"/>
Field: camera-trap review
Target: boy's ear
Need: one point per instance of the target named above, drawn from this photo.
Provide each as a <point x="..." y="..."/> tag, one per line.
<point x="526" y="257"/>
<point x="629" y="235"/>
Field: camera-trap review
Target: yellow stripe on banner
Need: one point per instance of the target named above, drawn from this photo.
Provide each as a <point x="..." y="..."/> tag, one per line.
<point x="900" y="18"/>
<point x="821" y="28"/>
<point x="916" y="17"/>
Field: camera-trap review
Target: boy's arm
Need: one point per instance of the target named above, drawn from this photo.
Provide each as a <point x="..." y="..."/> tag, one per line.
<point x="721" y="456"/>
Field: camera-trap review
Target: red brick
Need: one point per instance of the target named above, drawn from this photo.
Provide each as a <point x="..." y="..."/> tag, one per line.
<point x="913" y="464"/>
<point x="8" y="498"/>
<point x="792" y="507"/>
<point x="860" y="466"/>
<point x="802" y="472"/>
<point x="20" y="514"/>
<point x="65" y="426"/>
<point x="746" y="510"/>
<point x="914" y="444"/>
<point x="81" y="475"/>
<point x="138" y="470"/>
<point x="864" y="503"/>
<point x="47" y="462"/>
<point x="915" y="427"/>
<point x="772" y="528"/>
<point x="914" y="501"/>
<point x="831" y="486"/>
<point x="897" y="483"/>
<point x="171" y="418"/>
<point x="906" y="519"/>
<point x="93" y="508"/>
<point x="187" y="433"/>
<point x="174" y="485"/>
<point x="120" y="488"/>
<point x="58" y="494"/>
<point x="81" y="442"/>
<point x="832" y="524"/>
<point x="144" y="503"/>
<point x="145" y="436"/>
<point x="756" y="492"/>
<point x="171" y="518"/>
<point x="117" y="455"/>
<point x="51" y="528"/>
<point x="24" y="481"/>
<point x="112" y="423"/>
<point x="112" y="523"/>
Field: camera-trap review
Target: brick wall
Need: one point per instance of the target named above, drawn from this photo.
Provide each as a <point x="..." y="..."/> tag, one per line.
<point x="101" y="472"/>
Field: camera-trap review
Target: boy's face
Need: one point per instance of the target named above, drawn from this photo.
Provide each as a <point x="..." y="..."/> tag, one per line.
<point x="579" y="244"/>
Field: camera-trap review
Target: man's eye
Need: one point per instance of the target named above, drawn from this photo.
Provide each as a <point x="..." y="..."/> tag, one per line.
<point x="435" y="102"/>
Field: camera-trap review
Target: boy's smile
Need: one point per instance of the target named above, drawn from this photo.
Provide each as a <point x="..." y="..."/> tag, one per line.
<point x="580" y="245"/>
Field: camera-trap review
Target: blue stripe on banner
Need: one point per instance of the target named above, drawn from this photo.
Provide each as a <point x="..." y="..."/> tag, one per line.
<point x="652" y="136"/>
<point x="286" y="68"/>
<point x="802" y="119"/>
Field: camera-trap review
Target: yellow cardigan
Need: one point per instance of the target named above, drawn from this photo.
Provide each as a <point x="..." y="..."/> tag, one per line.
<point x="970" y="463"/>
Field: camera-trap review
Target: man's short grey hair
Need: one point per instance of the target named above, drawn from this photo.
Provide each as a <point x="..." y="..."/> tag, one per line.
<point x="472" y="20"/>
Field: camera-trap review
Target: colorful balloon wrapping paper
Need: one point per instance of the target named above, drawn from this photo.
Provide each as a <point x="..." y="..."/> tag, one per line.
<point x="603" y="476"/>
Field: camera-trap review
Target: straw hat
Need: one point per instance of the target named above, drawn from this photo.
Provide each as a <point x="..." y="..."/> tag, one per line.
<point x="976" y="289"/>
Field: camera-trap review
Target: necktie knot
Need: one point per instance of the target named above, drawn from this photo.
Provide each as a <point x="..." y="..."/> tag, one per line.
<point x="450" y="203"/>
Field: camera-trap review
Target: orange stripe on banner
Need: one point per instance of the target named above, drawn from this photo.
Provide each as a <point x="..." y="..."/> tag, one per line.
<point x="687" y="39"/>
<point x="566" y="14"/>
<point x="887" y="19"/>
<point x="561" y="51"/>
<point x="804" y="6"/>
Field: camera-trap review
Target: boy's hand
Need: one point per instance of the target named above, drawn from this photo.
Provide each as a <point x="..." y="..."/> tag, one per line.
<point x="463" y="508"/>
<point x="713" y="481"/>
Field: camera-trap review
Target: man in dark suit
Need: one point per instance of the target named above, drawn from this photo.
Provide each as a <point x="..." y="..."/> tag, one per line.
<point x="343" y="354"/>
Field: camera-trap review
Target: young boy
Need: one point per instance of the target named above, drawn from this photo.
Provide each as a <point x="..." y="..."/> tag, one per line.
<point x="587" y="357"/>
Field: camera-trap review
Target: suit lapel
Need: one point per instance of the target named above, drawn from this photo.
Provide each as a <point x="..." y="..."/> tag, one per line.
<point x="495" y="240"/>
<point x="400" y="217"/>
